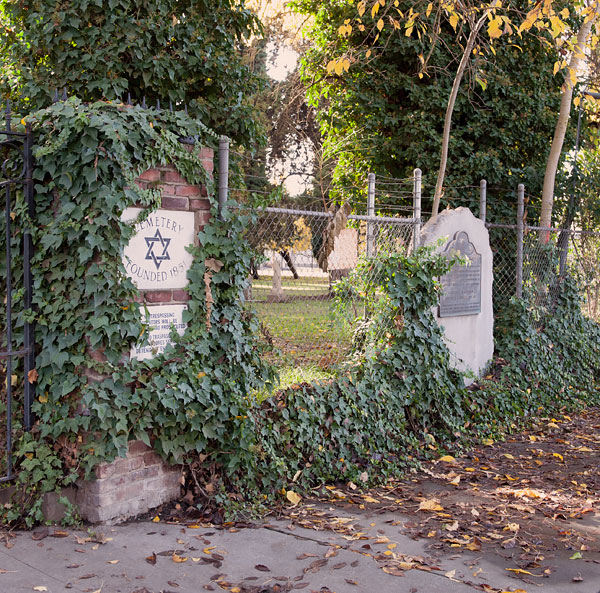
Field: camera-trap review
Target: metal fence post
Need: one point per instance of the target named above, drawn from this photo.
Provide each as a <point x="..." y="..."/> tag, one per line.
<point x="371" y="212"/>
<point x="520" y="215"/>
<point x="223" y="174"/>
<point x="417" y="176"/>
<point x="482" y="199"/>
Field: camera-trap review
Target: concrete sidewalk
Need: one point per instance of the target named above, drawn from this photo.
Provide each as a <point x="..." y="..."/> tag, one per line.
<point x="276" y="556"/>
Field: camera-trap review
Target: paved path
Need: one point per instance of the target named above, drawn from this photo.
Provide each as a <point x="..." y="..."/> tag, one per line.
<point x="168" y="558"/>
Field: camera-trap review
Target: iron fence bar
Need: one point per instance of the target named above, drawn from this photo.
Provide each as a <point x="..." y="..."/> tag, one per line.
<point x="7" y="212"/>
<point x="28" y="330"/>
<point x="14" y="353"/>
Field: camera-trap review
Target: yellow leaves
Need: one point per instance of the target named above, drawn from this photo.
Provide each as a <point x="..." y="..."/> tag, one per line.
<point x="293" y="497"/>
<point x="374" y="9"/>
<point x="430" y="505"/>
<point x="178" y="559"/>
<point x="453" y="21"/>
<point x="369" y="499"/>
<point x="338" y="66"/>
<point x="156" y="519"/>
<point x="208" y="550"/>
<point x="428" y="10"/>
<point x="200" y="375"/>
<point x="345" y="30"/>
<point x="455" y="481"/>
<point x="487" y="442"/>
<point x="507" y="456"/>
<point x="469" y="469"/>
<point x="447" y="459"/>
<point x="530" y="19"/>
<point x="380" y="24"/>
<point x="558" y="26"/>
<point x="512" y="527"/>
<point x="521" y="571"/>
<point x="361" y="7"/>
<point x="43" y="399"/>
<point x="495" y="28"/>
<point x="368" y="54"/>
<point x="528" y="493"/>
<point x="558" y="456"/>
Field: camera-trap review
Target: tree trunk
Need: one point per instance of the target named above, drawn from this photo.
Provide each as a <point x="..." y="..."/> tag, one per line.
<point x="287" y="258"/>
<point x="577" y="58"/>
<point x="450" y="108"/>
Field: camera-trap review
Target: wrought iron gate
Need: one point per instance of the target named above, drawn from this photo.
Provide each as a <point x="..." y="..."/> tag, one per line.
<point x="17" y="351"/>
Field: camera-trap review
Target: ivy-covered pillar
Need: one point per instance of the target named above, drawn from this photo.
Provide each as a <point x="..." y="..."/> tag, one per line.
<point x="156" y="259"/>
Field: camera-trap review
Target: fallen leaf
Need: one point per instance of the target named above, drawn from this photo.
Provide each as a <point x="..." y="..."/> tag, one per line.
<point x="151" y="559"/>
<point x="369" y="499"/>
<point x="293" y="497"/>
<point x="487" y="442"/>
<point x="529" y="493"/>
<point x="430" y="505"/>
<point x="521" y="571"/>
<point x="113" y="562"/>
<point x="576" y="556"/>
<point x="447" y="459"/>
<point x="451" y="526"/>
<point x="156" y="519"/>
<point x="262" y="568"/>
<point x="177" y="558"/>
<point x="393" y="570"/>
<point x="450" y="574"/>
<point x="40" y="588"/>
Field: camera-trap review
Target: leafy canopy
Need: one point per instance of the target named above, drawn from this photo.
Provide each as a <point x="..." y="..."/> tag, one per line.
<point x="166" y="50"/>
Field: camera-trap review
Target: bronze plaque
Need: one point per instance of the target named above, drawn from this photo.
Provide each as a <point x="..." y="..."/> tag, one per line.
<point x="461" y="286"/>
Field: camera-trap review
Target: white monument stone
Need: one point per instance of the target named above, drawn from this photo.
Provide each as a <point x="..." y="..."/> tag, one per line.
<point x="156" y="256"/>
<point x="160" y="319"/>
<point x="465" y="311"/>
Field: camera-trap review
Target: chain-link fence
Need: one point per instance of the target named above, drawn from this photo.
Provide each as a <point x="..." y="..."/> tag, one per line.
<point x="532" y="262"/>
<point x="302" y="256"/>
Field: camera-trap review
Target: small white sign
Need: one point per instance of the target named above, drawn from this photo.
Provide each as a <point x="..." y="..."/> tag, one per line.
<point x="160" y="320"/>
<point x="156" y="255"/>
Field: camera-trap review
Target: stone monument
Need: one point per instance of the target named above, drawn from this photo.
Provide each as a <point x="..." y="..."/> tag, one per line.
<point x="465" y="310"/>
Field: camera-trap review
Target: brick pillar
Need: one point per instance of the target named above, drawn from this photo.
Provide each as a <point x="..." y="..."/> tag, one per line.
<point x="140" y="481"/>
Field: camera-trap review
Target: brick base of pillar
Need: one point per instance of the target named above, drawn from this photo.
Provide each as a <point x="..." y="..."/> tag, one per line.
<point x="128" y="486"/>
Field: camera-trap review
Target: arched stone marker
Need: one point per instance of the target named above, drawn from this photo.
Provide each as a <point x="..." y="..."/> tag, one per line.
<point x="465" y="310"/>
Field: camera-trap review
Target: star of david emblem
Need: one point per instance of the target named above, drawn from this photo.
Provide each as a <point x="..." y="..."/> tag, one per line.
<point x="157" y="258"/>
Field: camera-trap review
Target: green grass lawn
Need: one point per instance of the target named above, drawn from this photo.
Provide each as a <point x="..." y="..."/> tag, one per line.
<point x="310" y="339"/>
<point x="304" y="286"/>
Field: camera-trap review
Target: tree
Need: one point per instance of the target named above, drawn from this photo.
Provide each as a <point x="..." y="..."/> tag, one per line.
<point x="577" y="58"/>
<point x="502" y="119"/>
<point x="545" y="17"/>
<point x="176" y="52"/>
